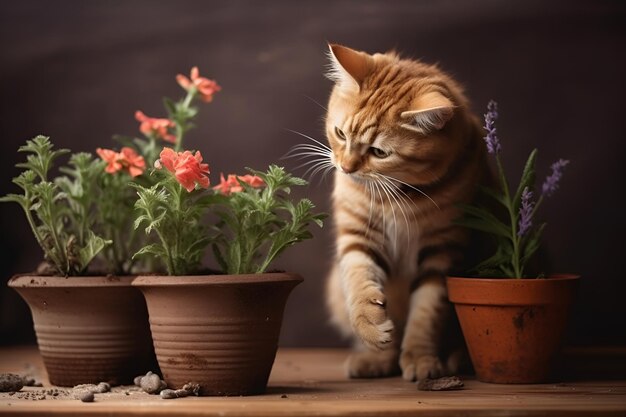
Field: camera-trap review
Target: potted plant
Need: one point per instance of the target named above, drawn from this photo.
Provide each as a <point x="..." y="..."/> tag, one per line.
<point x="91" y="324"/>
<point x="216" y="329"/>
<point x="513" y="321"/>
<point x="89" y="328"/>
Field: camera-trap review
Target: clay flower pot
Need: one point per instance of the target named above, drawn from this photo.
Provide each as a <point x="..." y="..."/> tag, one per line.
<point x="513" y="327"/>
<point x="89" y="329"/>
<point x="219" y="331"/>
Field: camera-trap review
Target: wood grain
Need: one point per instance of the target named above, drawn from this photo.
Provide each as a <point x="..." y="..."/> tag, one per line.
<point x="307" y="382"/>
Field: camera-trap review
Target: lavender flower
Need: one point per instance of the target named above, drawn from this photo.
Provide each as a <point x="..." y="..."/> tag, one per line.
<point x="493" y="144"/>
<point x="552" y="181"/>
<point x="525" y="212"/>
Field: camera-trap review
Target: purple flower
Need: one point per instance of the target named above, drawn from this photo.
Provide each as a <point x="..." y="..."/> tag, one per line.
<point x="525" y="212"/>
<point x="552" y="181"/>
<point x="493" y="144"/>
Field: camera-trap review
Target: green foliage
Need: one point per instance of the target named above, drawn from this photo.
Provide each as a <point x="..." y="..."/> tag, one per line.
<point x="171" y="214"/>
<point x="513" y="251"/>
<point x="254" y="226"/>
<point x="59" y="212"/>
<point x="258" y="224"/>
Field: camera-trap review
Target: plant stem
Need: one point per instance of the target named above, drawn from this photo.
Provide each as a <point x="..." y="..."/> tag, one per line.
<point x="512" y="216"/>
<point x="180" y="129"/>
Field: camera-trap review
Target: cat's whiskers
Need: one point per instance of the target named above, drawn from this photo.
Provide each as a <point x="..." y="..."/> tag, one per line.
<point x="382" y="204"/>
<point x="370" y="192"/>
<point x="393" y="213"/>
<point x="403" y="197"/>
<point x="413" y="188"/>
<point x="399" y="201"/>
<point x="321" y="154"/>
<point x="316" y="102"/>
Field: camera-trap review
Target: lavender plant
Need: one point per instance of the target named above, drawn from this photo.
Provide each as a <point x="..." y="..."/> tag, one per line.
<point x="518" y="235"/>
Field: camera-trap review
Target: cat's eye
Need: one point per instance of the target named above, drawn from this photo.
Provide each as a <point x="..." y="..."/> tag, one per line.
<point x="378" y="153"/>
<point x="340" y="133"/>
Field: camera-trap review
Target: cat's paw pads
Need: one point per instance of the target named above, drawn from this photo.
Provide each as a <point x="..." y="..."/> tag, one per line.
<point x="369" y="364"/>
<point x="419" y="367"/>
<point x="370" y="321"/>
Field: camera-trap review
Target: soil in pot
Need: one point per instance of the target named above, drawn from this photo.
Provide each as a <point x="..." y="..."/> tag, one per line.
<point x="89" y="329"/>
<point x="513" y="327"/>
<point x="219" y="331"/>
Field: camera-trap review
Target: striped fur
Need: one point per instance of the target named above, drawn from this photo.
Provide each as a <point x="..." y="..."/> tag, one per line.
<point x="407" y="150"/>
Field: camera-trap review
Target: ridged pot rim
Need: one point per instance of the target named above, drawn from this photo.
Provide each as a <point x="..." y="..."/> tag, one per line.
<point x="203" y="280"/>
<point x="554" y="289"/>
<point x="50" y="281"/>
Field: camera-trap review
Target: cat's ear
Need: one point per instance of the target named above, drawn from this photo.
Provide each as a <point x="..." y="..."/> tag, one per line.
<point x="429" y="112"/>
<point x="348" y="68"/>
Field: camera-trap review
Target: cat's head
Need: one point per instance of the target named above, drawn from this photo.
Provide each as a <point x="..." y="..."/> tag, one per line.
<point x="392" y="117"/>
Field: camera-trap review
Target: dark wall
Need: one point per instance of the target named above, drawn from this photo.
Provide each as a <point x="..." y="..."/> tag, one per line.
<point x="77" y="71"/>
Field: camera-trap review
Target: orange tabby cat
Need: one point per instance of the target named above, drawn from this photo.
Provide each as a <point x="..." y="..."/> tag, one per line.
<point x="406" y="149"/>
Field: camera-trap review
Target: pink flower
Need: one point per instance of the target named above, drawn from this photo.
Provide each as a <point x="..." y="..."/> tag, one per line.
<point x="232" y="185"/>
<point x="127" y="159"/>
<point x="111" y="158"/>
<point x="133" y="162"/>
<point x="206" y="88"/>
<point x="153" y="126"/>
<point x="186" y="167"/>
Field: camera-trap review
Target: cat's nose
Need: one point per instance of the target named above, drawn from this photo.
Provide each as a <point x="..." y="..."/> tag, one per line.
<point x="348" y="167"/>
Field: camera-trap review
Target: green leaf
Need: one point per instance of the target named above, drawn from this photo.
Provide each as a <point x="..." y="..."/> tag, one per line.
<point x="93" y="245"/>
<point x="494" y="194"/>
<point x="532" y="243"/>
<point x="219" y="257"/>
<point x="153" y="249"/>
<point x="527" y="179"/>
<point x="17" y="198"/>
<point x="170" y="106"/>
<point x="483" y="226"/>
<point x="483" y="214"/>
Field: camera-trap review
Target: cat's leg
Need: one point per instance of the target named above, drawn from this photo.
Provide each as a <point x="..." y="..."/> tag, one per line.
<point x="428" y="312"/>
<point x="363" y="362"/>
<point x="362" y="280"/>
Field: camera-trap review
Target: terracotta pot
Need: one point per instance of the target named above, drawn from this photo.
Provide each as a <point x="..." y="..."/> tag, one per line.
<point x="219" y="331"/>
<point x="513" y="327"/>
<point x="89" y="329"/>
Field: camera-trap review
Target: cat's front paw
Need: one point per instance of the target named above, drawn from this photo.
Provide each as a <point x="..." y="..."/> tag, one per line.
<point x="416" y="366"/>
<point x="370" y="322"/>
<point x="373" y="364"/>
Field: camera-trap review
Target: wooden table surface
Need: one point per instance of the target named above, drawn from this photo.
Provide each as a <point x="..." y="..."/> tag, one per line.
<point x="307" y="382"/>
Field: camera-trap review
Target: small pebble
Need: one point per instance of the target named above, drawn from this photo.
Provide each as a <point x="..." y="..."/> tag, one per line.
<point x="180" y="393"/>
<point x="103" y="387"/>
<point x="29" y="382"/>
<point x="86" y="396"/>
<point x="11" y="382"/>
<point x="168" y="394"/>
<point x="192" y="388"/>
<point x="446" y="383"/>
<point x="283" y="396"/>
<point x="152" y="383"/>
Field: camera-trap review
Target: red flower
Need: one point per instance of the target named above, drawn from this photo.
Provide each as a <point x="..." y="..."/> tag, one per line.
<point x="232" y="185"/>
<point x="206" y="88"/>
<point x="186" y="167"/>
<point x="153" y="126"/>
<point x="134" y="163"/>
<point x="111" y="158"/>
<point x="127" y="159"/>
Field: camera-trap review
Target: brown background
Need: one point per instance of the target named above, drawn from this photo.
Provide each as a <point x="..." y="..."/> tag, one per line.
<point x="77" y="71"/>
